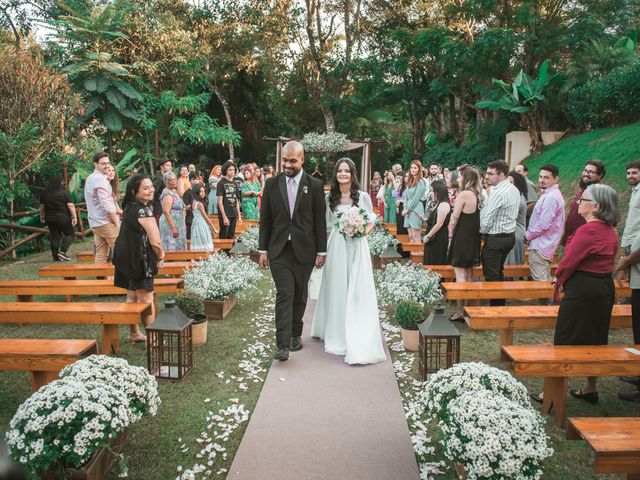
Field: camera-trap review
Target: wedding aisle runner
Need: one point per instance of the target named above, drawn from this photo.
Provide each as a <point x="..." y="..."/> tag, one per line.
<point x="318" y="418"/>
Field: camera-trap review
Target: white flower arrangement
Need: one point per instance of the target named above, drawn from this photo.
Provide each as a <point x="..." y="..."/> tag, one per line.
<point x="220" y="276"/>
<point x="446" y="385"/>
<point x="494" y="437"/>
<point x="379" y="239"/>
<point x="250" y="239"/>
<point x="64" y="423"/>
<point x="136" y="383"/>
<point x="398" y="282"/>
<point x="324" y="142"/>
<point x="353" y="222"/>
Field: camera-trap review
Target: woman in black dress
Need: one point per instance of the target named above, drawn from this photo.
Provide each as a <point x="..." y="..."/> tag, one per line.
<point x="138" y="252"/>
<point x="436" y="241"/>
<point x="401" y="178"/>
<point x="464" y="249"/>
<point x="59" y="213"/>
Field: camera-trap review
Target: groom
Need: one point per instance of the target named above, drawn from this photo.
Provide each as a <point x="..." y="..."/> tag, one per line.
<point x="293" y="237"/>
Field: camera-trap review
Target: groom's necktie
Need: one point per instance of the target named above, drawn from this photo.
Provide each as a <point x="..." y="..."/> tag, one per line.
<point x="291" y="193"/>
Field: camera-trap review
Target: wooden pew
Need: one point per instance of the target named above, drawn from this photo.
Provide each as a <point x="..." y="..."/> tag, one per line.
<point x="412" y="247"/>
<point x="176" y="256"/>
<point x="43" y="359"/>
<point x="615" y="442"/>
<point x="108" y="315"/>
<point x="75" y="270"/>
<point x="25" y="290"/>
<point x="529" y="317"/>
<point x="392" y="228"/>
<point x="417" y="257"/>
<point x="510" y="271"/>
<point x="556" y="363"/>
<point x="507" y="290"/>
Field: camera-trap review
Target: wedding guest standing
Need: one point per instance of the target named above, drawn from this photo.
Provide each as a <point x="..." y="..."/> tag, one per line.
<point x="516" y="255"/>
<point x="452" y="186"/>
<point x="464" y="227"/>
<point x="374" y="189"/>
<point x="593" y="172"/>
<point x="401" y="199"/>
<point x="202" y="230"/>
<point x="228" y="201"/>
<point x="114" y="181"/>
<point x="498" y="223"/>
<point x="187" y="198"/>
<point x="436" y="241"/>
<point x="138" y="250"/>
<point x="632" y="223"/>
<point x="59" y="213"/>
<point x="414" y="208"/>
<point x="163" y="166"/>
<point x="532" y="195"/>
<point x="250" y="194"/>
<point x="173" y="230"/>
<point x="214" y="177"/>
<point x="390" y="206"/>
<point x="584" y="274"/>
<point x="101" y="209"/>
<point x="545" y="227"/>
<point x="183" y="180"/>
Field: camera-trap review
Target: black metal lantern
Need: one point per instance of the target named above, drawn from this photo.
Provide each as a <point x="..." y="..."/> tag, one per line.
<point x="239" y="248"/>
<point x="389" y="255"/>
<point x="170" y="344"/>
<point x="439" y="343"/>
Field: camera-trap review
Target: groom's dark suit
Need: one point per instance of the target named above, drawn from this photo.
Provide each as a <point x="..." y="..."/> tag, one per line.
<point x="292" y="243"/>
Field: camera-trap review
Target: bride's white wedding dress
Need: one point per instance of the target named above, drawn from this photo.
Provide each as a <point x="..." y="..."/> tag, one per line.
<point x="346" y="315"/>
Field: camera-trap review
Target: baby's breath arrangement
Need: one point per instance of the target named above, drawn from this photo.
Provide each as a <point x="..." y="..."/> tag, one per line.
<point x="494" y="437"/>
<point x="136" y="383"/>
<point x="379" y="239"/>
<point x="324" y="142"/>
<point x="220" y="276"/>
<point x="398" y="282"/>
<point x="250" y="238"/>
<point x="65" y="423"/>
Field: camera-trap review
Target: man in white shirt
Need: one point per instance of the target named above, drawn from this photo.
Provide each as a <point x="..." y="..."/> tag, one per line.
<point x="498" y="223"/>
<point x="101" y="208"/>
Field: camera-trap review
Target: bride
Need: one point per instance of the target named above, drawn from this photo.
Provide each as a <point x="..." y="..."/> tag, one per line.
<point x="346" y="315"/>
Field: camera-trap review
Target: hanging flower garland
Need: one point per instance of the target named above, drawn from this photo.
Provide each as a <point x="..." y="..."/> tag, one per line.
<point x="331" y="142"/>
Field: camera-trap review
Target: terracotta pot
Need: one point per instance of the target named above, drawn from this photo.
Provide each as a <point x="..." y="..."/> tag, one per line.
<point x="98" y="467"/>
<point x="410" y="339"/>
<point x="219" y="309"/>
<point x="375" y="261"/>
<point x="199" y="329"/>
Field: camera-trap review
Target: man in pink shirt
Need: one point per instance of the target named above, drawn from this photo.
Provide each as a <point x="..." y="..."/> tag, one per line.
<point x="546" y="224"/>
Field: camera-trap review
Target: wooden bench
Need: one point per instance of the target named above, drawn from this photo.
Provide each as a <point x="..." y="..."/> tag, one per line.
<point x="507" y="290"/>
<point x="43" y="359"/>
<point x="529" y="317"/>
<point x="510" y="271"/>
<point x="412" y="247"/>
<point x="615" y="442"/>
<point x="25" y="290"/>
<point x="175" y="256"/>
<point x="417" y="257"/>
<point x="392" y="228"/>
<point x="108" y="315"/>
<point x="75" y="270"/>
<point x="556" y="363"/>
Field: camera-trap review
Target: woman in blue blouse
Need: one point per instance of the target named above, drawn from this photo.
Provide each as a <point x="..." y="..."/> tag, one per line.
<point x="414" y="208"/>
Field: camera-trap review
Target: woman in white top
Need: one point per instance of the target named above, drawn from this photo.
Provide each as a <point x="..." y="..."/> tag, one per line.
<point x="346" y="315"/>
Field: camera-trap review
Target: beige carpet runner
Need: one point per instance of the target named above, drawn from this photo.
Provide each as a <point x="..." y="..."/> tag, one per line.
<point x="318" y="418"/>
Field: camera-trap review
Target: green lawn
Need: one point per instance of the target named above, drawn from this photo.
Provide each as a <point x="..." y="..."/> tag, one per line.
<point x="159" y="445"/>
<point x="616" y="147"/>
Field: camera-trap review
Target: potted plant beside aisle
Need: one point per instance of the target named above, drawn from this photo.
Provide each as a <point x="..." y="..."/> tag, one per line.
<point x="409" y="314"/>
<point x="398" y="282"/>
<point x="378" y="240"/>
<point x="219" y="280"/>
<point x="192" y="305"/>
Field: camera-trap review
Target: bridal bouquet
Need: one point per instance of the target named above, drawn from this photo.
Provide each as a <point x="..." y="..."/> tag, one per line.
<point x="353" y="222"/>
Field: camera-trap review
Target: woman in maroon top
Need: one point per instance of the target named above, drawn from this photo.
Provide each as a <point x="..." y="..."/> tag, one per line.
<point x="584" y="275"/>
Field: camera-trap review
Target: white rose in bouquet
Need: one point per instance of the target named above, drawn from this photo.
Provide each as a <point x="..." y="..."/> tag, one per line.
<point x="353" y="222"/>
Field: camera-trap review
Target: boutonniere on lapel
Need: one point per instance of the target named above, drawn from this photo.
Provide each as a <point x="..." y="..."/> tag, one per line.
<point x="305" y="189"/>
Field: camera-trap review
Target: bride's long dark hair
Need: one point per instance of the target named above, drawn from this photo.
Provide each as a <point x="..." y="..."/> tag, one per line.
<point x="335" y="194"/>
